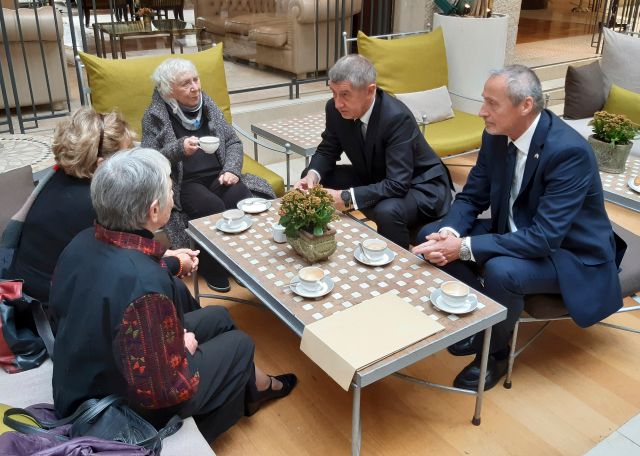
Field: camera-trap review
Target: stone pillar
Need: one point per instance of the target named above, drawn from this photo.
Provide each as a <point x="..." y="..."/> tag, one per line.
<point x="412" y="15"/>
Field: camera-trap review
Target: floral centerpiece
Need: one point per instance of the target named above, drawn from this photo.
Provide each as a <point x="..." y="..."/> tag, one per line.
<point x="611" y="140"/>
<point x="306" y="217"/>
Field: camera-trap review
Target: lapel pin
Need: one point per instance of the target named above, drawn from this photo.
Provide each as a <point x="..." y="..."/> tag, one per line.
<point x="536" y="156"/>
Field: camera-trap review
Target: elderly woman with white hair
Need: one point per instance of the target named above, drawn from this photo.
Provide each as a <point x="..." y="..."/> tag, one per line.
<point x="204" y="184"/>
<point x="121" y="329"/>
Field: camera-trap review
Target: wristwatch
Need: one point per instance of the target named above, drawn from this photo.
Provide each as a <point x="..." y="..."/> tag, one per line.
<point x="346" y="198"/>
<point x="465" y="251"/>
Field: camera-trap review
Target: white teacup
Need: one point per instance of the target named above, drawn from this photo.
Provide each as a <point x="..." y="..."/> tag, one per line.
<point x="454" y="293"/>
<point x="374" y="248"/>
<point x="278" y="233"/>
<point x="233" y="217"/>
<point x="311" y="278"/>
<point x="209" y="144"/>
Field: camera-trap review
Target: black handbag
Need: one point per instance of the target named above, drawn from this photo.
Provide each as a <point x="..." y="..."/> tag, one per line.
<point x="25" y="333"/>
<point x="109" y="418"/>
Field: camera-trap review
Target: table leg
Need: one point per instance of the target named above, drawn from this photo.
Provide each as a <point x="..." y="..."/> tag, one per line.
<point x="255" y="147"/>
<point x="483" y="374"/>
<point x="122" y="52"/>
<point x="173" y="51"/>
<point x="307" y="160"/>
<point x="288" y="171"/>
<point x="356" y="427"/>
<point x="194" y="275"/>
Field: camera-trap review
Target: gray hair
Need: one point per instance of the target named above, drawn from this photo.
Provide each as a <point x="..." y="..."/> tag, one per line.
<point x="355" y="69"/>
<point x="126" y="184"/>
<point x="522" y="82"/>
<point x="166" y="74"/>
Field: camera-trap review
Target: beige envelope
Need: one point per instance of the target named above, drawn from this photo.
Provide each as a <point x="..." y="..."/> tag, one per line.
<point x="356" y="337"/>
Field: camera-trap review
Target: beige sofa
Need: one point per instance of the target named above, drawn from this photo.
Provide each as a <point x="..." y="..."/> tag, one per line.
<point x="276" y="33"/>
<point x="50" y="45"/>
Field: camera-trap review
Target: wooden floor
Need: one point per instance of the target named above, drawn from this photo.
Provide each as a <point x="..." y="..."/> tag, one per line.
<point x="571" y="389"/>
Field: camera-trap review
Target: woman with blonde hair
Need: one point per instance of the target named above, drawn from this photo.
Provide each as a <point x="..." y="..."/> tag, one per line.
<point x="60" y="207"/>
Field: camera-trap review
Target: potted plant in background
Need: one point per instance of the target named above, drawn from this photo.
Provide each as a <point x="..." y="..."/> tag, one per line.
<point x="305" y="217"/>
<point x="611" y="140"/>
<point x="146" y="14"/>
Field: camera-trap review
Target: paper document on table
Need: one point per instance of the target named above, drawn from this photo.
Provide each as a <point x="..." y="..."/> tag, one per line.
<point x="356" y="337"/>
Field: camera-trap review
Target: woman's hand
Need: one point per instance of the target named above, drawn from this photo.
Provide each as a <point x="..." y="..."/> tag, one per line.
<point x="190" y="145"/>
<point x="188" y="259"/>
<point x="190" y="342"/>
<point x="228" y="178"/>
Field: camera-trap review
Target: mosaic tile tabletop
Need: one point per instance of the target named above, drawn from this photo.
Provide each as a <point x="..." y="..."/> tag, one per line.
<point x="21" y="150"/>
<point x="303" y="132"/>
<point x="272" y="266"/>
<point x="618" y="188"/>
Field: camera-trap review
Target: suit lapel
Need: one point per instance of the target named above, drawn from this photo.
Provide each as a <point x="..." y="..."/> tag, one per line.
<point x="535" y="150"/>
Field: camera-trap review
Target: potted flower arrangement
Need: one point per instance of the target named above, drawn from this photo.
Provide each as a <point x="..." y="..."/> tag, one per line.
<point x="611" y="140"/>
<point x="146" y="14"/>
<point x="305" y="217"/>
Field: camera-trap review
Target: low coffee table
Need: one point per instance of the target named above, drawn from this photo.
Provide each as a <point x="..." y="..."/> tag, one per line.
<point x="118" y="31"/>
<point x="266" y="268"/>
<point x="616" y="188"/>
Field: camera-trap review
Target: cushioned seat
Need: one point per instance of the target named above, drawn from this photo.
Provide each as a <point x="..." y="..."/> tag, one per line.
<point x="417" y="63"/>
<point x="243" y="23"/>
<point x="459" y="134"/>
<point x="270" y="35"/>
<point x="126" y="85"/>
<point x="545" y="307"/>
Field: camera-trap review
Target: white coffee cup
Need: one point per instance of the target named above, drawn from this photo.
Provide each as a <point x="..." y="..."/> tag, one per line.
<point x="454" y="293"/>
<point x="278" y="233"/>
<point x="374" y="248"/>
<point x="233" y="217"/>
<point x="209" y="144"/>
<point x="311" y="278"/>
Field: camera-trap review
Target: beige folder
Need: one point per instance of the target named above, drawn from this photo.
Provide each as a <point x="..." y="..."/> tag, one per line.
<point x="359" y="336"/>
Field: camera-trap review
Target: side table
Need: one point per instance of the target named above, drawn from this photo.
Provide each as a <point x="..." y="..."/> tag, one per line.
<point x="20" y="150"/>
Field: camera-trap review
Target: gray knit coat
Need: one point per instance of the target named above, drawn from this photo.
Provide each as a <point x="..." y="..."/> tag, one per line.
<point x="157" y="133"/>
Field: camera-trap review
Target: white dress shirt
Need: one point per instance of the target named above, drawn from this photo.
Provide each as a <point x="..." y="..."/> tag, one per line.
<point x="523" y="143"/>
<point x="365" y="124"/>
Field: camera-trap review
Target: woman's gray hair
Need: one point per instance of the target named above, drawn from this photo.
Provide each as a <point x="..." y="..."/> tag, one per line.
<point x="522" y="82"/>
<point x="355" y="69"/>
<point x="166" y="74"/>
<point x="126" y="184"/>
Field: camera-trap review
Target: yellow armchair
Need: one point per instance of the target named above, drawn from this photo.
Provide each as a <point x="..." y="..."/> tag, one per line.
<point x="415" y="63"/>
<point x="126" y="85"/>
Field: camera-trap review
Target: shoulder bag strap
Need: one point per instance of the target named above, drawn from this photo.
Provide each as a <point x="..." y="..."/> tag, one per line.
<point x="43" y="326"/>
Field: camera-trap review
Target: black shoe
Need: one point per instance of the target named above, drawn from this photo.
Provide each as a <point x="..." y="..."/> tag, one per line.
<point x="288" y="383"/>
<point x="469" y="377"/>
<point x="219" y="283"/>
<point x="464" y="347"/>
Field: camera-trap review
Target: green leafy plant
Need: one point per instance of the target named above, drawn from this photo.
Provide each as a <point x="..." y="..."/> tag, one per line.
<point x="474" y="8"/>
<point x="613" y="128"/>
<point x="310" y="211"/>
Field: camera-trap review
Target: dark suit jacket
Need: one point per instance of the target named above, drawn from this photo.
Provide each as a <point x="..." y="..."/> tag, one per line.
<point x="559" y="213"/>
<point x="396" y="157"/>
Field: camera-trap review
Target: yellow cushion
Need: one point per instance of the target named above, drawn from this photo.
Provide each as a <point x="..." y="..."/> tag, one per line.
<point x="126" y="85"/>
<point x="453" y="136"/>
<point x="623" y="101"/>
<point x="20" y="418"/>
<point x="409" y="64"/>
<point x="249" y="165"/>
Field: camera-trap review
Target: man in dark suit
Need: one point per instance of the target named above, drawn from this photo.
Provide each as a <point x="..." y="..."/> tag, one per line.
<point x="395" y="178"/>
<point x="548" y="231"/>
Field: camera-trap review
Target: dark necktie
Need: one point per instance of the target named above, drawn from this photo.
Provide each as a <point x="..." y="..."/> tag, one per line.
<point x="503" y="220"/>
<point x="358" y="132"/>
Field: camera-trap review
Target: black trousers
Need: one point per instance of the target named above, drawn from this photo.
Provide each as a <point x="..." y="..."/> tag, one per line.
<point x="207" y="196"/>
<point x="395" y="217"/>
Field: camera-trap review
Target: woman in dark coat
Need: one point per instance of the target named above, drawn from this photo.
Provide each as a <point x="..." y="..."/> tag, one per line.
<point x="203" y="184"/>
<point x="121" y="329"/>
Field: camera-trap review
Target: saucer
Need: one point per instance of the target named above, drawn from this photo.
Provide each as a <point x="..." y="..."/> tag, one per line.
<point x="633" y="186"/>
<point x="387" y="257"/>
<point x="438" y="302"/>
<point x="244" y="224"/>
<point x="327" y="286"/>
<point x="254" y="205"/>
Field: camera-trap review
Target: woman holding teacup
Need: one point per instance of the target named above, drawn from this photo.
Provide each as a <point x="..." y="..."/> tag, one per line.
<point x="206" y="174"/>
